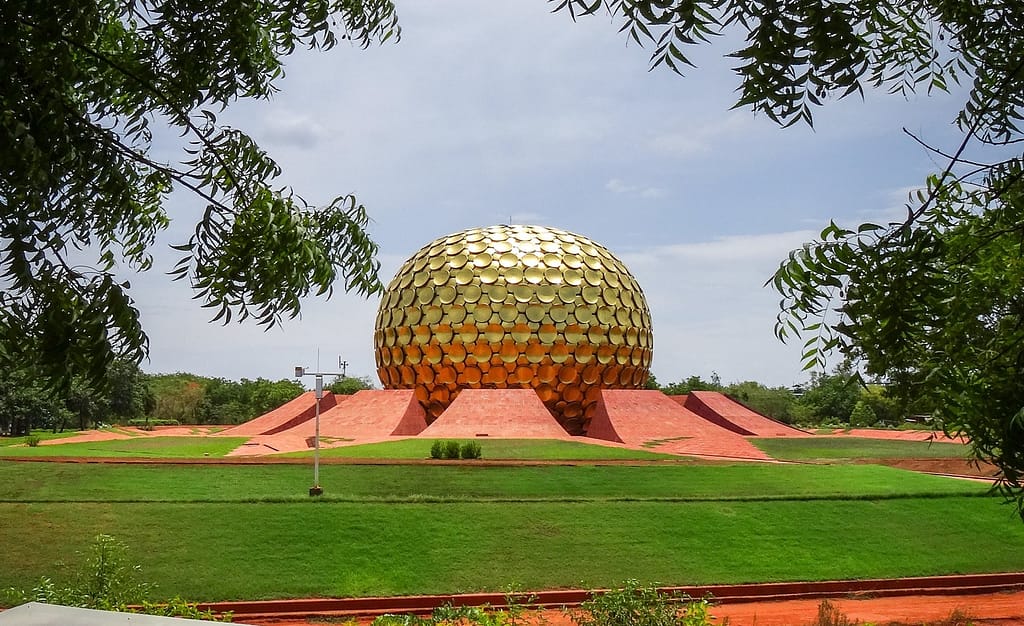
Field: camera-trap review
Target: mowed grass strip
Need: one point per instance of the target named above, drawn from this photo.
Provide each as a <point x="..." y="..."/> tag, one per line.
<point x="493" y="449"/>
<point x="142" y="446"/>
<point x="59" y="482"/>
<point x="837" y="448"/>
<point x="249" y="551"/>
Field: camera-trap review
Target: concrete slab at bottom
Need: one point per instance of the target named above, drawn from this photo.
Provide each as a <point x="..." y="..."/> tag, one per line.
<point x="39" y="614"/>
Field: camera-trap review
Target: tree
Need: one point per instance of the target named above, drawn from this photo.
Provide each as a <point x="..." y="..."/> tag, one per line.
<point x="933" y="303"/>
<point x="82" y="84"/>
<point x="348" y="385"/>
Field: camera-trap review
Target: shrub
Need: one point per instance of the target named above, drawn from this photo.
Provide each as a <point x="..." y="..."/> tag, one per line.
<point x="451" y="450"/>
<point x="863" y="415"/>
<point x="638" y="605"/>
<point x="149" y="423"/>
<point x="470" y="450"/>
<point x="32" y="440"/>
<point x="437" y="449"/>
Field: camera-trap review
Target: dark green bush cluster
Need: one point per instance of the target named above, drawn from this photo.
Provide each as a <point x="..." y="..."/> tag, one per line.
<point x="452" y="450"/>
<point x="151" y="423"/>
<point x="32" y="441"/>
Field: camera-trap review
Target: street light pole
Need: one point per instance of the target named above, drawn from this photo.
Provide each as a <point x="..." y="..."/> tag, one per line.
<point x="318" y="391"/>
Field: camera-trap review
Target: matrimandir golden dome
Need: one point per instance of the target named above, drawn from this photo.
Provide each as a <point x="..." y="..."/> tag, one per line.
<point x="514" y="307"/>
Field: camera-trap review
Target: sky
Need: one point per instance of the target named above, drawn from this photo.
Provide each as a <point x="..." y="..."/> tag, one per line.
<point x="490" y="113"/>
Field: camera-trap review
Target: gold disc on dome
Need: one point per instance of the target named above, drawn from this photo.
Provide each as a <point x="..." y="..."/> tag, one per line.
<point x="622" y="355"/>
<point x="547" y="333"/>
<point x="534" y="275"/>
<point x="568" y="294"/>
<point x="611" y="296"/>
<point x="456" y="314"/>
<point x="513" y="275"/>
<point x="468" y="333"/>
<point x="425" y="295"/>
<point x="407" y="298"/>
<point x="482" y="260"/>
<point x="482" y="352"/>
<point x="593" y="278"/>
<point x="632" y="336"/>
<point x="535" y="353"/>
<point x="572" y="261"/>
<point x="481" y="313"/>
<point x="559" y="352"/>
<point x="432" y="314"/>
<point x="413" y="354"/>
<point x="464" y="276"/>
<point x="472" y="375"/>
<point x="521" y="333"/>
<point x="550" y="246"/>
<point x="551" y="260"/>
<point x="474" y="235"/>
<point x="584" y="353"/>
<point x="489" y="275"/>
<point x="605" y="354"/>
<point x="637" y="318"/>
<point x="612" y="278"/>
<point x="547" y="373"/>
<point x="622" y="316"/>
<point x="440" y="277"/>
<point x="584" y="315"/>
<point x="456" y="353"/>
<point x="508" y="313"/>
<point x="508" y="260"/>
<point x="523" y="293"/>
<point x="546" y="293"/>
<point x="591" y="295"/>
<point x="433" y="353"/>
<point x="509" y="351"/>
<point x="446" y="294"/>
<point x="558" y="313"/>
<point x="553" y="276"/>
<point x="591" y="374"/>
<point x="502" y="247"/>
<point x="573" y="333"/>
<point x="421" y="334"/>
<point x="443" y="333"/>
<point x="596" y="334"/>
<point x="605" y="315"/>
<point x="471" y="293"/>
<point x="494" y="333"/>
<point x="476" y="247"/>
<point x="593" y="262"/>
<point x="458" y="261"/>
<point x="530" y="260"/>
<point x="616" y="336"/>
<point x="497" y="293"/>
<point x="523" y="375"/>
<point x="437" y="262"/>
<point x="403" y="335"/>
<point x="534" y="312"/>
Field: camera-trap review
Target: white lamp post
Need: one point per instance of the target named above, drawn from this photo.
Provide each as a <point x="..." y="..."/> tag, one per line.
<point x="316" y="489"/>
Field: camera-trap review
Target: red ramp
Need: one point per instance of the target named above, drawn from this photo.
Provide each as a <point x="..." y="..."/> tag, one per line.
<point x="288" y="415"/>
<point x="723" y="411"/>
<point x="505" y="413"/>
<point x="368" y="414"/>
<point x="653" y="420"/>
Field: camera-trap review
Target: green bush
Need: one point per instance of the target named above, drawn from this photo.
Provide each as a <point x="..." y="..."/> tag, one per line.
<point x="641" y="605"/>
<point x="863" y="415"/>
<point x="451" y="450"/>
<point x="148" y="424"/>
<point x="470" y="450"/>
<point x="32" y="440"/>
<point x="437" y="449"/>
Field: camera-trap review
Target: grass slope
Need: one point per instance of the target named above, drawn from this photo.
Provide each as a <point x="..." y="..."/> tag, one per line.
<point x="835" y="448"/>
<point x="150" y="447"/>
<point x="233" y="551"/>
<point x="73" y="482"/>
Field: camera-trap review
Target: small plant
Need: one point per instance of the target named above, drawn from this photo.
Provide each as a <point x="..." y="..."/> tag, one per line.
<point x="437" y="449"/>
<point x="32" y="440"/>
<point x="830" y="615"/>
<point x="451" y="450"/>
<point x="470" y="450"/>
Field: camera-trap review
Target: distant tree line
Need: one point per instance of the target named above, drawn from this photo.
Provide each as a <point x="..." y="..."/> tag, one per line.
<point x="837" y="398"/>
<point x="134" y="397"/>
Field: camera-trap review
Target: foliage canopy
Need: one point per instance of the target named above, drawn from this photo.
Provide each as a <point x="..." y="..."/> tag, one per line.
<point x="82" y="84"/>
<point x="933" y="303"/>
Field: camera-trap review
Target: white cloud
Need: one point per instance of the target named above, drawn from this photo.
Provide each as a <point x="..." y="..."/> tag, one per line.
<point x="617" y="186"/>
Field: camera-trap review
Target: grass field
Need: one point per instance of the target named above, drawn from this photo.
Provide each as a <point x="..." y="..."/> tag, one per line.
<point x="493" y="449"/>
<point x="839" y="448"/>
<point x="151" y="447"/>
<point x="203" y="531"/>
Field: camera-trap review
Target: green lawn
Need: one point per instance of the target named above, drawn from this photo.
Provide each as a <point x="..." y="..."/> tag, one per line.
<point x="493" y="449"/>
<point x="42" y="434"/>
<point x="237" y="532"/>
<point x="153" y="447"/>
<point x="74" y="482"/>
<point x="838" y="448"/>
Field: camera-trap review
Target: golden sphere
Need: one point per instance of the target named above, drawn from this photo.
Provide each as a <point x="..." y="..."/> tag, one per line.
<point x="514" y="307"/>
